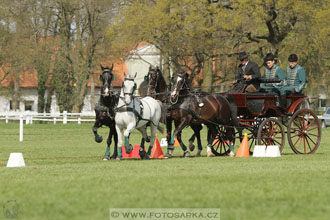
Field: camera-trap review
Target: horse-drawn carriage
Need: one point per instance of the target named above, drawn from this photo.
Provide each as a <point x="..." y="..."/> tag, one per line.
<point x="259" y="113"/>
<point x="268" y="123"/>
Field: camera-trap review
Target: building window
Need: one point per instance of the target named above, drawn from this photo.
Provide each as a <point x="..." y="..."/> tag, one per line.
<point x="28" y="105"/>
<point x="322" y="103"/>
<point x="11" y="105"/>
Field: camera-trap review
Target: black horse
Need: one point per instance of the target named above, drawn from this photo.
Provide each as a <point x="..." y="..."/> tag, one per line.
<point x="104" y="111"/>
<point x="158" y="89"/>
<point x="191" y="109"/>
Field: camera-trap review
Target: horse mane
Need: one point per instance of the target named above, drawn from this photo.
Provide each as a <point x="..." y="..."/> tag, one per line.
<point x="162" y="79"/>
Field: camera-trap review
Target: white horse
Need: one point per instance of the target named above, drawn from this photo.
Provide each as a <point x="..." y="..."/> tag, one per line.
<point x="132" y="113"/>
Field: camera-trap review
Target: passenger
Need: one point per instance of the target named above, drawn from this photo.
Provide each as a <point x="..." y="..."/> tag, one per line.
<point x="272" y="71"/>
<point x="295" y="79"/>
<point x="248" y="76"/>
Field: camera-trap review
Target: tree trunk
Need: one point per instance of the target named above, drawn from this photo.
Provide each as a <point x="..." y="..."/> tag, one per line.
<point x="92" y="100"/>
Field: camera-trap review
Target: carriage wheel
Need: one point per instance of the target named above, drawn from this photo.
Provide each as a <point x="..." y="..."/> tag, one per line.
<point x="304" y="132"/>
<point x="220" y="146"/>
<point x="271" y="132"/>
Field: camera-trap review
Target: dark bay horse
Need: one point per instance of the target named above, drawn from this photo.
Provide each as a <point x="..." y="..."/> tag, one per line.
<point x="158" y="89"/>
<point x="191" y="109"/>
<point x="104" y="111"/>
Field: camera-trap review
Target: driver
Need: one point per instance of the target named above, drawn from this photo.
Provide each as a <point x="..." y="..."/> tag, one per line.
<point x="248" y="76"/>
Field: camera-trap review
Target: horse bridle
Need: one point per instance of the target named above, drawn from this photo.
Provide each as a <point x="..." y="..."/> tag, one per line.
<point x="105" y="80"/>
<point x="155" y="79"/>
<point x="128" y="93"/>
<point x="179" y="89"/>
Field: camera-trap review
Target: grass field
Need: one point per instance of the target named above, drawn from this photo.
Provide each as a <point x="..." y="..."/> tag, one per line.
<point x="65" y="178"/>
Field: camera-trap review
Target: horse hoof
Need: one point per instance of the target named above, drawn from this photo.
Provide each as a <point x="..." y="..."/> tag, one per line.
<point x="118" y="158"/>
<point x="168" y="155"/>
<point x="208" y="152"/>
<point x="231" y="154"/>
<point x="191" y="146"/>
<point x="142" y="154"/>
<point x="99" y="139"/>
<point x="186" y="154"/>
<point x="148" y="139"/>
<point x="128" y="149"/>
<point x="106" y="158"/>
<point x="199" y="153"/>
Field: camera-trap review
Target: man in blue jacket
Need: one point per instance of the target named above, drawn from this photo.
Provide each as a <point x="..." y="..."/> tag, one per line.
<point x="295" y="79"/>
<point x="272" y="71"/>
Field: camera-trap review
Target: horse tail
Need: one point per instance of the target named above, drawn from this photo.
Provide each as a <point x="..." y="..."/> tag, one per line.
<point x="233" y="109"/>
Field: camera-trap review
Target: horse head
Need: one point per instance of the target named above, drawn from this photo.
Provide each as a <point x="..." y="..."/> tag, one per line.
<point x="128" y="88"/>
<point x="152" y="79"/>
<point x="106" y="77"/>
<point x="178" y="83"/>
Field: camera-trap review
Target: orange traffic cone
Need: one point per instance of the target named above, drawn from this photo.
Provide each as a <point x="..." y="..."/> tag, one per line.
<point x="157" y="150"/>
<point x="243" y="150"/>
<point x="176" y="142"/>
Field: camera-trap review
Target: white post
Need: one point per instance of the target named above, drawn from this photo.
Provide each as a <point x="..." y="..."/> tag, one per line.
<point x="79" y="121"/>
<point x="65" y="117"/>
<point x="54" y="120"/>
<point x="21" y="127"/>
<point x="27" y="119"/>
<point x="31" y="120"/>
<point x="6" y="117"/>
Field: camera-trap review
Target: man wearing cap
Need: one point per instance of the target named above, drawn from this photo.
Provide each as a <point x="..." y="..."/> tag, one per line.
<point x="272" y="71"/>
<point x="295" y="78"/>
<point x="248" y="75"/>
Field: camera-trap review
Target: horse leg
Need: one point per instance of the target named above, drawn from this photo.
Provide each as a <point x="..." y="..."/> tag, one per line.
<point x="197" y="129"/>
<point x="230" y="134"/>
<point x="179" y="126"/>
<point x="183" y="146"/>
<point x="211" y="135"/>
<point x="113" y="133"/>
<point x="191" y="142"/>
<point x="153" y="129"/>
<point x="98" y="138"/>
<point x="120" y="141"/>
<point x="170" y="147"/>
<point x="107" y="152"/>
<point x="142" y="152"/>
<point x="127" y="132"/>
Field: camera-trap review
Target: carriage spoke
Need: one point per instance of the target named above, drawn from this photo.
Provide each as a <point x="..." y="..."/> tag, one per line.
<point x="311" y="139"/>
<point x="315" y="135"/>
<point x="310" y="124"/>
<point x="297" y="141"/>
<point x="308" y="144"/>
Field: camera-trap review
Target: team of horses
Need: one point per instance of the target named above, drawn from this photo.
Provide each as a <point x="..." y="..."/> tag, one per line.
<point x="123" y="112"/>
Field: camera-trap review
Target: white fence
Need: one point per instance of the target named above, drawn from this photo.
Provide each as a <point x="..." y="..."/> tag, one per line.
<point x="64" y="117"/>
<point x="30" y="117"/>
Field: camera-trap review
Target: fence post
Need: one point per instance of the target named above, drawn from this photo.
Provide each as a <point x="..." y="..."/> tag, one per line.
<point x="6" y="117"/>
<point x="54" y="120"/>
<point x="65" y="117"/>
<point x="21" y="127"/>
<point x="79" y="121"/>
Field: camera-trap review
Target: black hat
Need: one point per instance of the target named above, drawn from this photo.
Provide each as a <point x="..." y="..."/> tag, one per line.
<point x="242" y="56"/>
<point x="269" y="56"/>
<point x="293" y="58"/>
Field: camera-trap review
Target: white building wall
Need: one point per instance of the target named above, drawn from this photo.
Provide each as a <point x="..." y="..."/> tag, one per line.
<point x="140" y="61"/>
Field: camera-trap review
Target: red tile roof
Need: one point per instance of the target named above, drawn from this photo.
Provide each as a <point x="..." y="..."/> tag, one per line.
<point x="29" y="79"/>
